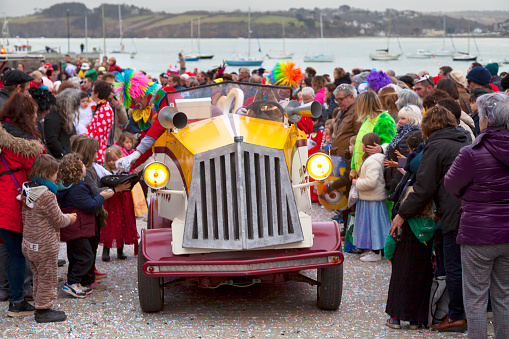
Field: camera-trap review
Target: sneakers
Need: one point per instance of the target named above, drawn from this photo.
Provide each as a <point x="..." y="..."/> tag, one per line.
<point x="76" y="290"/>
<point x="393" y="323"/>
<point x="415" y="325"/>
<point x="100" y="274"/>
<point x="49" y="316"/>
<point x="372" y="257"/>
<point x="97" y="287"/>
<point x="86" y="289"/>
<point x="366" y="253"/>
<point x="20" y="309"/>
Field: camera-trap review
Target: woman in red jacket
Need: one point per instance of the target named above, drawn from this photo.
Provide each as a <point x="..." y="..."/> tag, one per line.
<point x="20" y="145"/>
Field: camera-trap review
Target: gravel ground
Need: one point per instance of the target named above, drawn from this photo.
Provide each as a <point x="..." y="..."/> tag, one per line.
<point x="227" y="312"/>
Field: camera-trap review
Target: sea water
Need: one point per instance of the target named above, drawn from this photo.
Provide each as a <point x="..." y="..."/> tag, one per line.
<point x="155" y="56"/>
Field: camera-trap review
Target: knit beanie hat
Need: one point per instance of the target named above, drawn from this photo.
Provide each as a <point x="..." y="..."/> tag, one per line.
<point x="458" y="77"/>
<point x="493" y="68"/>
<point x="505" y="83"/>
<point x="479" y="75"/>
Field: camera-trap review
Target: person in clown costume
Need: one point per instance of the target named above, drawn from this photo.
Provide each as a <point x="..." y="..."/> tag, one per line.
<point x="138" y="93"/>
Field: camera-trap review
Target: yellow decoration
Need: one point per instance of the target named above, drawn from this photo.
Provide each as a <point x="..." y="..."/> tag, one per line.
<point x="145" y="113"/>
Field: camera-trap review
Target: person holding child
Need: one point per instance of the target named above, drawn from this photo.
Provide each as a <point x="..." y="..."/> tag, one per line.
<point x="42" y="221"/>
<point x="76" y="196"/>
<point x="120" y="226"/>
<point x="372" y="220"/>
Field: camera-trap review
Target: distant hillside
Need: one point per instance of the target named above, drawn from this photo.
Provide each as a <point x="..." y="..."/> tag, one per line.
<point x="484" y="17"/>
<point x="343" y="21"/>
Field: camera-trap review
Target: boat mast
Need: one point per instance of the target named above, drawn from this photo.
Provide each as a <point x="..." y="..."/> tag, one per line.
<point x="192" y="33"/>
<point x="443" y="44"/>
<point x="199" y="35"/>
<point x="284" y="49"/>
<point x="321" y="27"/>
<point x="468" y="38"/>
<point x="104" y="31"/>
<point x="86" y="35"/>
<point x="389" y="31"/>
<point x="120" y="27"/>
<point x="249" y="32"/>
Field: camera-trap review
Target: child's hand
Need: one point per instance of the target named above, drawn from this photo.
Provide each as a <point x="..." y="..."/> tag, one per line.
<point x="354" y="181"/>
<point x="73" y="216"/>
<point x="390" y="163"/>
<point x="399" y="154"/>
<point x="123" y="187"/>
<point x="107" y="193"/>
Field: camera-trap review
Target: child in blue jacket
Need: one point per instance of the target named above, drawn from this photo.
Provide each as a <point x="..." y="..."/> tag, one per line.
<point x="75" y="196"/>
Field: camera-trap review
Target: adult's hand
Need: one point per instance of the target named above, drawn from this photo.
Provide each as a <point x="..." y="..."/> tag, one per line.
<point x="122" y="187"/>
<point x="396" y="225"/>
<point x="125" y="163"/>
<point x="374" y="149"/>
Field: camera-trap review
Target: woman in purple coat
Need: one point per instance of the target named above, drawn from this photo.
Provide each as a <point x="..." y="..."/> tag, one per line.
<point x="480" y="178"/>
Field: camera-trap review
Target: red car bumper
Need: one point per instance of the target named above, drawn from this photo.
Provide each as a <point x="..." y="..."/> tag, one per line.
<point x="161" y="262"/>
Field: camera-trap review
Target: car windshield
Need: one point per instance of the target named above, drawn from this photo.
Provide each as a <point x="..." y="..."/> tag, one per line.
<point x="254" y="100"/>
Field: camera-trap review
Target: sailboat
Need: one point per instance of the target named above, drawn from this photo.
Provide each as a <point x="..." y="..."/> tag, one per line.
<point x="281" y="54"/>
<point x="320" y="57"/>
<point x="122" y="47"/>
<point x="441" y="52"/>
<point x="242" y="60"/>
<point x="383" y="54"/>
<point x="202" y="56"/>
<point x="191" y="56"/>
<point x="462" y="56"/>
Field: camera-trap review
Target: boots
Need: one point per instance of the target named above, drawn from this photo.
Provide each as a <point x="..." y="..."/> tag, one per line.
<point x="106" y="254"/>
<point x="120" y="253"/>
<point x="49" y="316"/>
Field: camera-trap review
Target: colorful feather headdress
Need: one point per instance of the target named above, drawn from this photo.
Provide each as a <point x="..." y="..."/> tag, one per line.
<point x="285" y="74"/>
<point x="131" y="85"/>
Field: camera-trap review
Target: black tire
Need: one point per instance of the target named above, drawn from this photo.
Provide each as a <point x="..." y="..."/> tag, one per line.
<point x="330" y="290"/>
<point x="150" y="292"/>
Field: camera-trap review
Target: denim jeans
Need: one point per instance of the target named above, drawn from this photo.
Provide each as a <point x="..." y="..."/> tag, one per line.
<point x="15" y="265"/>
<point x="453" y="273"/>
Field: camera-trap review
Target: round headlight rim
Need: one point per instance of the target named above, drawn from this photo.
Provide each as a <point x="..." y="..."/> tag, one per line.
<point x="167" y="171"/>
<point x="329" y="160"/>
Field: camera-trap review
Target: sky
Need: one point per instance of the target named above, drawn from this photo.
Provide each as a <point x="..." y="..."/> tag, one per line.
<point x="23" y="7"/>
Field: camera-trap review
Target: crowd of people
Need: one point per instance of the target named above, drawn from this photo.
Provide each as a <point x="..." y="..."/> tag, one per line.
<point x="425" y="156"/>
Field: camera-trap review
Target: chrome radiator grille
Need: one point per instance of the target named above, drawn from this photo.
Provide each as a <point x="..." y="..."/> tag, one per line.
<point x="241" y="198"/>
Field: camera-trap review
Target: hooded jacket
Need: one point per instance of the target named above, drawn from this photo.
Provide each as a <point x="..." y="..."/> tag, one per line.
<point x="480" y="178"/>
<point x="42" y="218"/>
<point x="439" y="153"/>
<point x="371" y="182"/>
<point x="19" y="152"/>
<point x="80" y="199"/>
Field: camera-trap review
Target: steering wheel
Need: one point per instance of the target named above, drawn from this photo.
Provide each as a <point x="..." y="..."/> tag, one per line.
<point x="256" y="107"/>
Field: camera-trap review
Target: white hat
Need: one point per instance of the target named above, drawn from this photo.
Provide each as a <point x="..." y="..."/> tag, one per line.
<point x="185" y="76"/>
<point x="85" y="66"/>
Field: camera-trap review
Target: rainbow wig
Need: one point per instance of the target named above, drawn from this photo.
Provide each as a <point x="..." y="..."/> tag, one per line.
<point x="131" y="85"/>
<point x="377" y="80"/>
<point x="285" y="74"/>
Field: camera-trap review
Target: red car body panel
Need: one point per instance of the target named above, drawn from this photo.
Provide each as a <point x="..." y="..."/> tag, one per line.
<point x="156" y="248"/>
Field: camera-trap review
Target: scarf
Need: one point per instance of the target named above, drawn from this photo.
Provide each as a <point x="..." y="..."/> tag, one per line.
<point x="403" y="131"/>
<point x="48" y="183"/>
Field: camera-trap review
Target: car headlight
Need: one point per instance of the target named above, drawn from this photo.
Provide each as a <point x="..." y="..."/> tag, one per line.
<point x="319" y="166"/>
<point x="156" y="175"/>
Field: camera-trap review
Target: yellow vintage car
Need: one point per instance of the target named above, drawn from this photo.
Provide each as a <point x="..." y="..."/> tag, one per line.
<point x="231" y="184"/>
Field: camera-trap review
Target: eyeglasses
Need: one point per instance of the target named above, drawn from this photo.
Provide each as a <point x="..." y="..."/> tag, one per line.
<point x="339" y="100"/>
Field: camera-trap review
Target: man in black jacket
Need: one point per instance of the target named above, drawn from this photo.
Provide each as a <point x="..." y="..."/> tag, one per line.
<point x="444" y="142"/>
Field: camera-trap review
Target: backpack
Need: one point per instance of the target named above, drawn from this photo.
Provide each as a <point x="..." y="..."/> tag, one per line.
<point x="438" y="301"/>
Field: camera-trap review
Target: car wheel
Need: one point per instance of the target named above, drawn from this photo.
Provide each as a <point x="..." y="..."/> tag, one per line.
<point x="330" y="290"/>
<point x="150" y="292"/>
